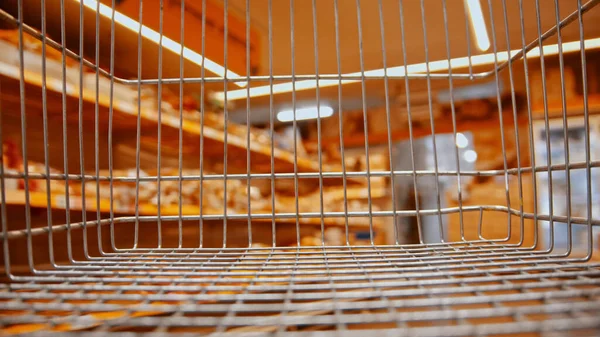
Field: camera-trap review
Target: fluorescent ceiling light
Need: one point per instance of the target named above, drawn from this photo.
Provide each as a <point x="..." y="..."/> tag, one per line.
<point x="470" y="156"/>
<point x="305" y="113"/>
<point x="461" y="140"/>
<point x="411" y="69"/>
<point x="478" y="24"/>
<point x="167" y="43"/>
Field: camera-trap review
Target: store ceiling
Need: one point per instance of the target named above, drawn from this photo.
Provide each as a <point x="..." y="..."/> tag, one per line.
<point x="304" y="42"/>
<point x="372" y="53"/>
<point x="354" y="96"/>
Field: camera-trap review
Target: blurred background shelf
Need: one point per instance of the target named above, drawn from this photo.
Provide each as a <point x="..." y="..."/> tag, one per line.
<point x="39" y="200"/>
<point x="125" y="119"/>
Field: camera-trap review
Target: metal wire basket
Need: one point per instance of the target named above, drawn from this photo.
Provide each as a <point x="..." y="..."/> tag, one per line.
<point x="76" y="262"/>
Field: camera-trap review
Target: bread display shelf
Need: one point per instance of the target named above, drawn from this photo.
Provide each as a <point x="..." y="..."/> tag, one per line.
<point x="149" y="209"/>
<point x="337" y="194"/>
<point x="355" y="193"/>
<point x="125" y="121"/>
<point x="59" y="201"/>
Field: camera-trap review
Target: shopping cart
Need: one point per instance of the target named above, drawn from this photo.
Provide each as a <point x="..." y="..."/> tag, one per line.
<point x="77" y="261"/>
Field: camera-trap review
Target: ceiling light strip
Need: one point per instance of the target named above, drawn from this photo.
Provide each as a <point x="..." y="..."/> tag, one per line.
<point x="167" y="43"/>
<point x="399" y="71"/>
<point x="305" y="113"/>
<point x="478" y="26"/>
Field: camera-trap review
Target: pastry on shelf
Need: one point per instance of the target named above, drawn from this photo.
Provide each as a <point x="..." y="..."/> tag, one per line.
<point x="13" y="163"/>
<point x="33" y="60"/>
<point x="170" y="105"/>
<point x="11" y="155"/>
<point x="34" y="45"/>
<point x="32" y="57"/>
<point x="37" y="185"/>
<point x="122" y="94"/>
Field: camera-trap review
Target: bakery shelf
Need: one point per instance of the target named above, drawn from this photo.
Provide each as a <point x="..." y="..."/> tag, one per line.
<point x="149" y="209"/>
<point x="125" y="118"/>
<point x="336" y="194"/>
<point x="357" y="192"/>
<point x="58" y="201"/>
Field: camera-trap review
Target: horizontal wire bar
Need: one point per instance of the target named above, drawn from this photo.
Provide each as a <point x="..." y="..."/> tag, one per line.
<point x="13" y="234"/>
<point x="245" y="269"/>
<point x="280" y="282"/>
<point x="430" y="255"/>
<point x="551" y="326"/>
<point x="191" y="297"/>
<point x="459" y="249"/>
<point x="288" y="320"/>
<point x="335" y="260"/>
<point x="301" y="175"/>
<point x="275" y="307"/>
<point x="276" y="275"/>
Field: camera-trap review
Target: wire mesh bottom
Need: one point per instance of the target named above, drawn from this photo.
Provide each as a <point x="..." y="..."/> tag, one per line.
<point x="449" y="290"/>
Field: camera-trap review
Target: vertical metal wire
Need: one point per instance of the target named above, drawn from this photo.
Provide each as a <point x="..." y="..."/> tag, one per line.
<point x="480" y="224"/>
<point x="64" y="129"/>
<point x="319" y="148"/>
<point x="180" y="159"/>
<point x="24" y="139"/>
<point x="586" y="122"/>
<point x="516" y="126"/>
<point x="80" y="129"/>
<point x="453" y="112"/>
<point x="97" y="131"/>
<point x="202" y="113"/>
<point x="45" y="136"/>
<point x="294" y="122"/>
<point x="271" y="122"/>
<point x="248" y="153"/>
<point x="5" y="248"/>
<point x="431" y="119"/>
<point x="159" y="139"/>
<point x="563" y="95"/>
<point x="410" y="127"/>
<point x="468" y="40"/>
<point x="387" y="115"/>
<point x="226" y="120"/>
<point x="110" y="125"/>
<point x="546" y="123"/>
<point x="564" y="119"/>
<point x="365" y="119"/>
<point x="341" y="119"/>
<point x="138" y="129"/>
<point x="500" y="121"/>
<point x="532" y="138"/>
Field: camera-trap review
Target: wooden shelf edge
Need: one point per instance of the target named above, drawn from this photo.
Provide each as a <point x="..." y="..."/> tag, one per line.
<point x="59" y="201"/>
